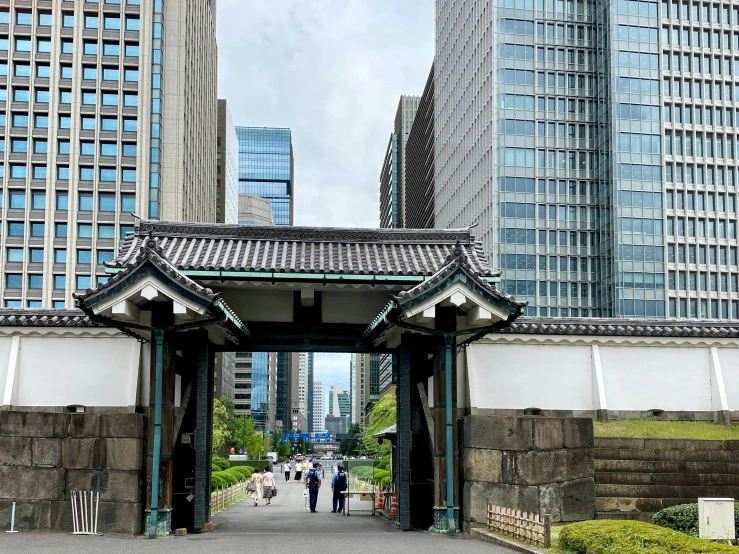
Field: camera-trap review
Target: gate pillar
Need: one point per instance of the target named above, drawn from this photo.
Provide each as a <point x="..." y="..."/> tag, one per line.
<point x="203" y="428"/>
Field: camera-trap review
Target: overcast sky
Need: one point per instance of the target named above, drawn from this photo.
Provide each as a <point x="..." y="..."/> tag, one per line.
<point x="332" y="71"/>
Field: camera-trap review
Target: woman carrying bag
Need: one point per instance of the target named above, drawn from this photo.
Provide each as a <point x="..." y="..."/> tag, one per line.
<point x="268" y="481"/>
<point x="255" y="485"/>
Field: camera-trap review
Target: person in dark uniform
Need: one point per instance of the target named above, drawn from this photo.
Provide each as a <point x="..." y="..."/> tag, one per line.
<point x="313" y="482"/>
<point x="339" y="484"/>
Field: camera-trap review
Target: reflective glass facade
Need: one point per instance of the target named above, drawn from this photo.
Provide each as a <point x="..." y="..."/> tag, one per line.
<point x="599" y="160"/>
<point x="266" y="168"/>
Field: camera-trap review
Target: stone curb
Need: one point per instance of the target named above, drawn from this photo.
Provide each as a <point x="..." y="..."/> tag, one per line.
<point x="486" y="536"/>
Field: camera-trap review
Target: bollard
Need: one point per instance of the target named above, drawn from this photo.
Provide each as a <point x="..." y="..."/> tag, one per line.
<point x="12" y="520"/>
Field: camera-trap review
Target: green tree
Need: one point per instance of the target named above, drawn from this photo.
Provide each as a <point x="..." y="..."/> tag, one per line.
<point x="355" y="430"/>
<point x="222" y="416"/>
<point x="383" y="415"/>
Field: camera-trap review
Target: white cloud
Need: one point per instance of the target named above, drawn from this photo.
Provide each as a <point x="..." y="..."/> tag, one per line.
<point x="332" y="71"/>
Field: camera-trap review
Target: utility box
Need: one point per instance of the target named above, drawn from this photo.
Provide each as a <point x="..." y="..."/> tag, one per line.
<point x="716" y="518"/>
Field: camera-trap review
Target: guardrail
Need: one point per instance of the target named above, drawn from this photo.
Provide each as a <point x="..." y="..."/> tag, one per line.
<point x="520" y="525"/>
<point x="223" y="497"/>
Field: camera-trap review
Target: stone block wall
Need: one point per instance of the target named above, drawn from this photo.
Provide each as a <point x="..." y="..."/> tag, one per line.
<point x="44" y="456"/>
<point x="635" y="478"/>
<point x="536" y="464"/>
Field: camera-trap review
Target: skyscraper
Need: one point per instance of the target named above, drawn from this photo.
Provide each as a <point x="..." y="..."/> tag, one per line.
<point x="319" y="407"/>
<point x="256" y="387"/>
<point x="392" y="174"/>
<point x="419" y="163"/>
<point x="227" y="167"/>
<point x="365" y="385"/>
<point x="98" y="122"/>
<point x="593" y="144"/>
<point x="339" y="402"/>
<point x="266" y="168"/>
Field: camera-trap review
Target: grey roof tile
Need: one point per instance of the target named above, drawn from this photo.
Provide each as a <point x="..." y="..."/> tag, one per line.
<point x="210" y="247"/>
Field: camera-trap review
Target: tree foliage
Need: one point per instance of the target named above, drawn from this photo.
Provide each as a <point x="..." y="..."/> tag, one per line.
<point x="222" y="415"/>
<point x="383" y="415"/>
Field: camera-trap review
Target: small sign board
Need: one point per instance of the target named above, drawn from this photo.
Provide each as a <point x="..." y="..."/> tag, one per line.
<point x="237" y="458"/>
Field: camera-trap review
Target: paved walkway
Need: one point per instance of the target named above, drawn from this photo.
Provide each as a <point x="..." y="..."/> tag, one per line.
<point x="281" y="528"/>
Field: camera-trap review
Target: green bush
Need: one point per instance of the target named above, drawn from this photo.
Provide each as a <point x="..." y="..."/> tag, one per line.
<point x="245" y="471"/>
<point x="220" y="462"/>
<point x="227" y="477"/>
<point x="684" y="518"/>
<point x="632" y="537"/>
<point x="216" y="480"/>
<point x="384" y="463"/>
<point x="214" y="468"/>
<point x="259" y="464"/>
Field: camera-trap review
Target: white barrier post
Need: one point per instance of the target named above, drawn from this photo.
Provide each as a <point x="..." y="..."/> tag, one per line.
<point x="12" y="520"/>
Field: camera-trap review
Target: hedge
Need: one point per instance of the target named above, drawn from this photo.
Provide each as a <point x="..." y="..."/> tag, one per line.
<point x="633" y="537"/>
<point x="222" y="463"/>
<point x="259" y="464"/>
<point x="684" y="518"/>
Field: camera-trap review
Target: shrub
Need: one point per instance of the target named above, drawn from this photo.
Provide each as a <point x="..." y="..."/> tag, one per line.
<point x="384" y="463"/>
<point x="216" y="480"/>
<point x="214" y="468"/>
<point x="220" y="462"/>
<point x="684" y="518"/>
<point x="226" y="477"/>
<point x="244" y="471"/>
<point x="259" y="464"/>
<point x="632" y="537"/>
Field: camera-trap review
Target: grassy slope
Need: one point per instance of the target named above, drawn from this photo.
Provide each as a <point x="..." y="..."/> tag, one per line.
<point x="647" y="428"/>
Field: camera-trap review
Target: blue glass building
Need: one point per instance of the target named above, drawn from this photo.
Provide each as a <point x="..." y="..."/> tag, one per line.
<point x="266" y="168"/>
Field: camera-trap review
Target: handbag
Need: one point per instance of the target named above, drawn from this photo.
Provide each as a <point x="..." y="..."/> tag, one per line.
<point x="274" y="491"/>
<point x="251" y="486"/>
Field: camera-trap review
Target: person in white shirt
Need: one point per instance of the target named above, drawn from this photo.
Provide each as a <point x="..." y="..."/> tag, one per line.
<point x="298" y="471"/>
<point x="268" y="484"/>
<point x="286" y="470"/>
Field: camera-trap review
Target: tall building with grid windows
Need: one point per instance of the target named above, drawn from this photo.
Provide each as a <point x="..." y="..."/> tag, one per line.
<point x="266" y="168"/>
<point x="392" y="173"/>
<point x="255" y="387"/>
<point x="107" y="109"/>
<point x="594" y="146"/>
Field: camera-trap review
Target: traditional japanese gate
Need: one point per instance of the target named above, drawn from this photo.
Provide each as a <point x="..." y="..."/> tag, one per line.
<point x="195" y="289"/>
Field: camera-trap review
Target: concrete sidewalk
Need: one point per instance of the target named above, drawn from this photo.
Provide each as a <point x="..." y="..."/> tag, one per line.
<point x="284" y="527"/>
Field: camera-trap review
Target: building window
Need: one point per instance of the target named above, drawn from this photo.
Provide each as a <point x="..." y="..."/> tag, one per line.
<point x="84" y="256"/>
<point x="13" y="280"/>
<point x="91" y="22"/>
<point x="37" y="255"/>
<point x="60" y="256"/>
<point x="15" y="254"/>
<point x="16" y="228"/>
<point x="18" y="171"/>
<point x="106" y="231"/>
<point x="22" y="45"/>
<point x="90" y="48"/>
<point x="86" y="202"/>
<point x="35" y="281"/>
<point x="87" y="173"/>
<point x="84" y="230"/>
<point x="41" y="121"/>
<point x="106" y="202"/>
<point x="43" y="70"/>
<point x="105" y="256"/>
<point x="38" y="201"/>
<point x="132" y="24"/>
<point x="24" y="18"/>
<point x="60" y="282"/>
<point x="60" y="230"/>
<point x="111" y="49"/>
<point x="37" y="229"/>
<point x="21" y="70"/>
<point x="112" y="23"/>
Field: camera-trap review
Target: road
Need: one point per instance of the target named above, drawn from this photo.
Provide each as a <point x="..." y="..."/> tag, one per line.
<point x="284" y="527"/>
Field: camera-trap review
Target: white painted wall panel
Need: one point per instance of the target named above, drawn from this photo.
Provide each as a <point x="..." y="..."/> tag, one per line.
<point x="668" y="378"/>
<point x="517" y="376"/>
<point x="98" y="371"/>
<point x="4" y="356"/>
<point x="729" y="358"/>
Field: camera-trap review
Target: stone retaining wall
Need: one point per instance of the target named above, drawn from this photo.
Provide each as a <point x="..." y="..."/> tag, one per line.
<point x="44" y="456"/>
<point x="635" y="478"/>
<point x="536" y="464"/>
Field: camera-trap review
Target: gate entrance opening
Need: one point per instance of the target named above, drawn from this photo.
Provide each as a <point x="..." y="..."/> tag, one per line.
<point x="194" y="289"/>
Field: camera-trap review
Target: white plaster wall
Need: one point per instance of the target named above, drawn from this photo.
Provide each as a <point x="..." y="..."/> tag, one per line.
<point x="61" y="371"/>
<point x="4" y="358"/>
<point x="729" y="358"/>
<point x="664" y="377"/>
<point x="517" y="376"/>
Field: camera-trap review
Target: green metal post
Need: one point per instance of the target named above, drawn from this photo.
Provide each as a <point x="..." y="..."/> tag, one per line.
<point x="157" y="450"/>
<point x="448" y="339"/>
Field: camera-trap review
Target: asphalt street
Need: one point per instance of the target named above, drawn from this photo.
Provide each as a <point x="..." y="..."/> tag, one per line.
<point x="284" y="527"/>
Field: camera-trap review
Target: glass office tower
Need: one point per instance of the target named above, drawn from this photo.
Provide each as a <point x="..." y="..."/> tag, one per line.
<point x="593" y="144"/>
<point x="266" y="168"/>
<point x="85" y="138"/>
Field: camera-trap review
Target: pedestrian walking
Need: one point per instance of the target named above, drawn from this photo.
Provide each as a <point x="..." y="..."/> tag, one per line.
<point x="298" y="471"/>
<point x="286" y="470"/>
<point x="268" y="483"/>
<point x="256" y="483"/>
<point x="339" y="484"/>
<point x="313" y="482"/>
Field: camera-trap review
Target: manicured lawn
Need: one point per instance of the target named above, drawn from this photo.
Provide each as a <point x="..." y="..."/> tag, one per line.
<point x="649" y="428"/>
